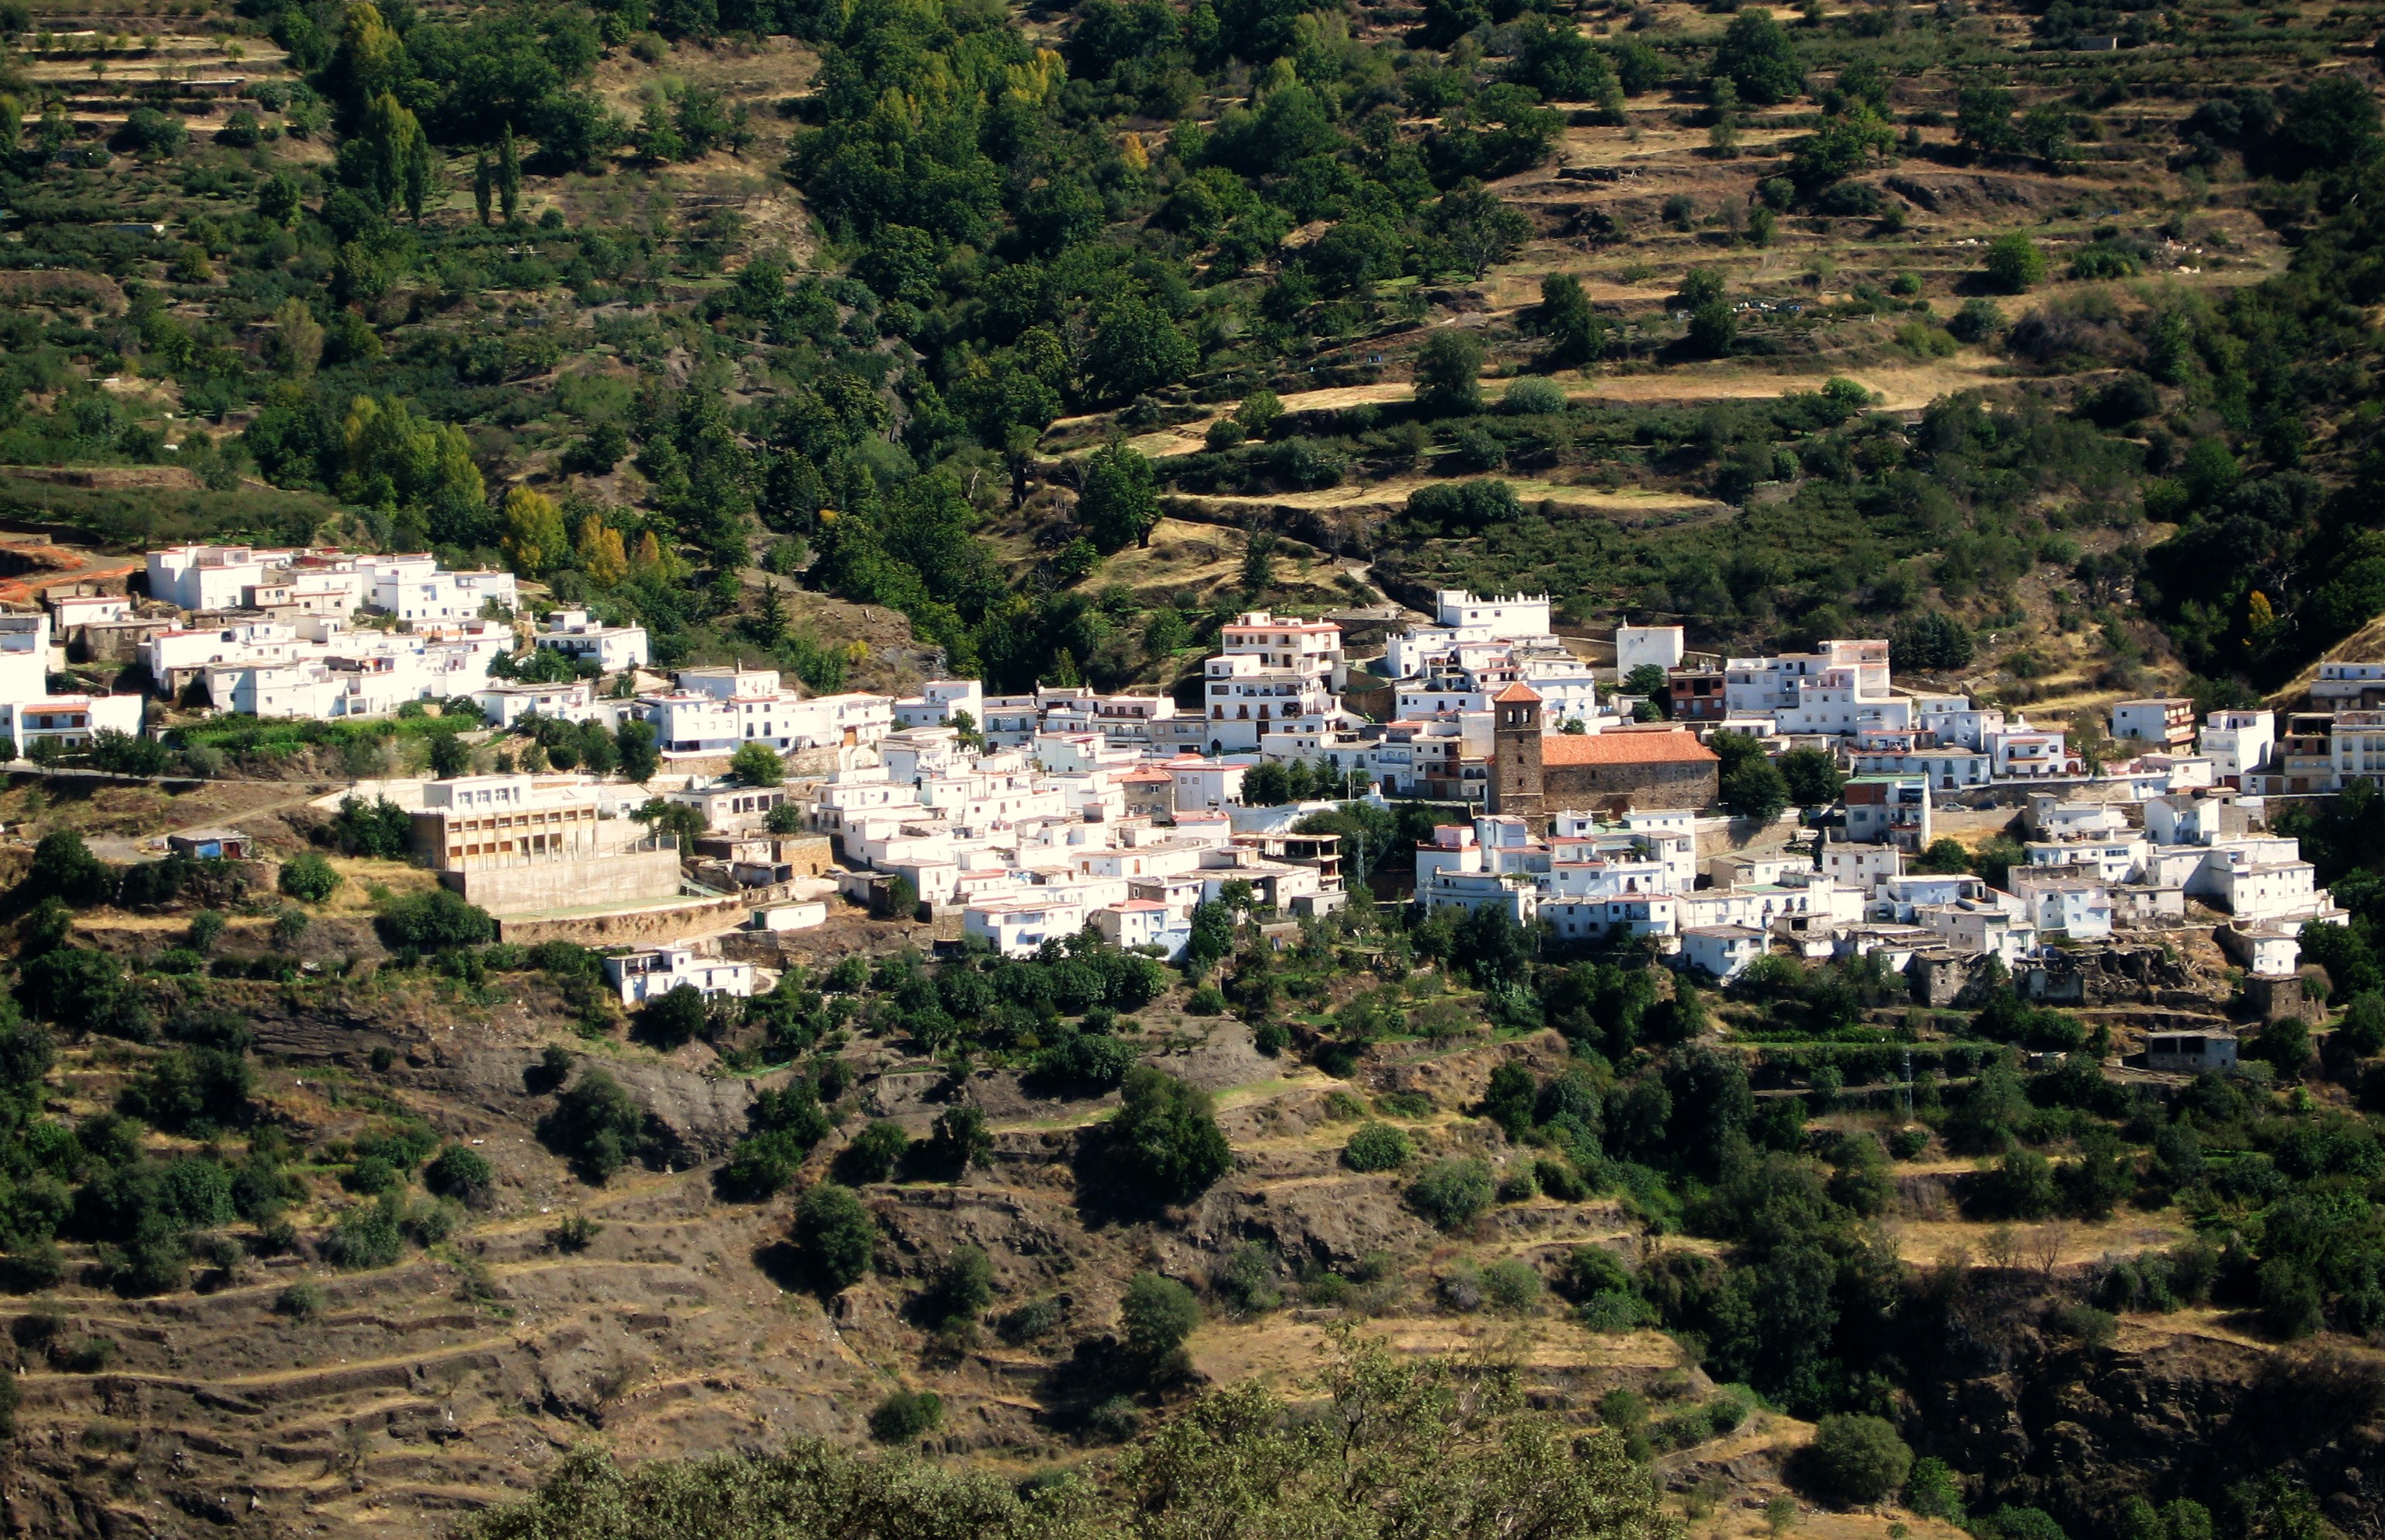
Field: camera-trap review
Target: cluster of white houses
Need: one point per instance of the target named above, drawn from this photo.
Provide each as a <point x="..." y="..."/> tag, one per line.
<point x="1039" y="815"/>
<point x="2090" y="869"/>
<point x="31" y="715"/>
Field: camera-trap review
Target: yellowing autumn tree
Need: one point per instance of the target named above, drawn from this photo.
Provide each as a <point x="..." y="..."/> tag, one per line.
<point x="601" y="553"/>
<point x="534" y="540"/>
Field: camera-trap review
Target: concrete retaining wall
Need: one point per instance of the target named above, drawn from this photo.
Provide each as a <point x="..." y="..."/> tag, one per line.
<point x="631" y="927"/>
<point x="631" y="876"/>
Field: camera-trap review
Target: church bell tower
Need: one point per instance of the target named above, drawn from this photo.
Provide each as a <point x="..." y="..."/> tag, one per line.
<point x="1515" y="757"/>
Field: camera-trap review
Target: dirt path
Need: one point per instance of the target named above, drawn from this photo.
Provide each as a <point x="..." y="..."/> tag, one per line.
<point x="1898" y="387"/>
<point x="1395" y="492"/>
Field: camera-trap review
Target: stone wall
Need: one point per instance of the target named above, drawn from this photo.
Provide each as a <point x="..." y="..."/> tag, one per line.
<point x="1720" y="835"/>
<point x="1660" y="784"/>
<point x="1939" y="975"/>
<point x="2280" y="997"/>
<point x="2111" y="972"/>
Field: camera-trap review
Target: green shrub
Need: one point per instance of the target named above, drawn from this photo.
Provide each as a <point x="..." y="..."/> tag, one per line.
<point x="91" y="1356"/>
<point x="1451" y="1192"/>
<point x="1166" y="1137"/>
<point x="1560" y="1180"/>
<point x="574" y="1233"/>
<point x="872" y="1155"/>
<point x="1377" y="1146"/>
<point x="1932" y="1491"/>
<point x="366" y="1235"/>
<point x="1031" y="1321"/>
<point x="961" y="1288"/>
<point x="596" y="1125"/>
<point x="308" y="877"/>
<point x="1247" y="1279"/>
<point x="2094" y="1329"/>
<point x="834" y="1235"/>
<point x="1511" y="1283"/>
<point x="461" y="1173"/>
<point x="1533" y="398"/>
<point x="64" y="868"/>
<point x="1977" y="321"/>
<point x="1858" y="1459"/>
<point x="2015" y="264"/>
<point x="434" y="921"/>
<point x="299" y="1301"/>
<point x="1156" y="1316"/>
<point x="673" y="1019"/>
<point x="905" y="1415"/>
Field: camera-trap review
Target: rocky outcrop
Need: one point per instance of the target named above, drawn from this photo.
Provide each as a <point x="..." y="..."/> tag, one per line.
<point x="2050" y="1424"/>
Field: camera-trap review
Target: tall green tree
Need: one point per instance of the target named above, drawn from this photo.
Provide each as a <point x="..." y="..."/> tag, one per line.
<point x="1120" y="502"/>
<point x="389" y="158"/>
<point x="1448" y="374"/>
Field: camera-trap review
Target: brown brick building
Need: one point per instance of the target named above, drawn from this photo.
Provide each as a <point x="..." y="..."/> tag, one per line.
<point x="1533" y="776"/>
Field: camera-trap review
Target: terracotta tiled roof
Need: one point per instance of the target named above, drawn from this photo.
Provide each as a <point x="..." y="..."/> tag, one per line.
<point x="1679" y="748"/>
<point x="1517" y="692"/>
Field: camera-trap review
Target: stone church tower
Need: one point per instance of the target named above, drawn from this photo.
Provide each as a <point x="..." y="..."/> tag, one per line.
<point x="1515" y="781"/>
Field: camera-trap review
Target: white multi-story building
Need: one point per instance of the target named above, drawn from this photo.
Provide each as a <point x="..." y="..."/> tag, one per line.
<point x="939" y="702"/>
<point x="1864" y="867"/>
<point x="653" y="972"/>
<point x="326" y="671"/>
<point x="207" y="576"/>
<point x="505" y="703"/>
<point x="2110" y="860"/>
<point x="2080" y="908"/>
<point x="2342" y="684"/>
<point x="2163" y="722"/>
<point x="2254" y="891"/>
<point x="2023" y="752"/>
<point x="24" y="656"/>
<point x="2238" y="742"/>
<point x="31" y="715"/>
<point x="1207" y="784"/>
<point x="416" y="590"/>
<point x="69" y="721"/>
<point x="1272" y="673"/>
<point x="1841" y="701"/>
<point x="1982" y="927"/>
<point x="610" y="648"/>
<point x="2357" y="746"/>
<point x="718" y="711"/>
<point x="1648" y="646"/>
<point x="2185" y="819"/>
<point x="1501" y="617"/>
<point x="288" y="648"/>
<point x="1887" y="810"/>
<point x="1721" y="952"/>
<point x="1960" y="724"/>
<point x="1899" y="898"/>
<point x="2053" y="817"/>
<point x="1767" y="686"/>
<point x="1944" y="769"/>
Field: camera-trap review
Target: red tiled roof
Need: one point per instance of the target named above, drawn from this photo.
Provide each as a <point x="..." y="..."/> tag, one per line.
<point x="1625" y="749"/>
<point x="1517" y="692"/>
